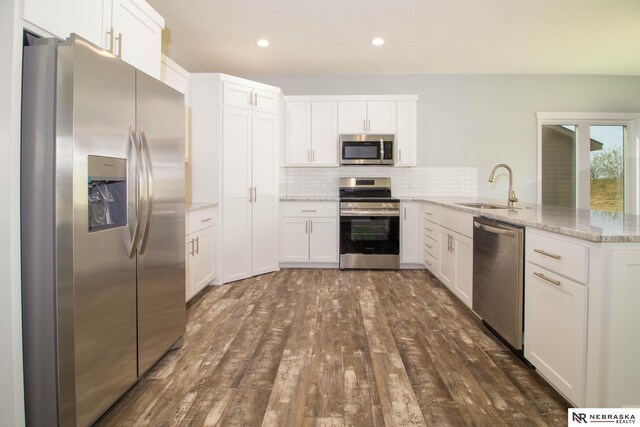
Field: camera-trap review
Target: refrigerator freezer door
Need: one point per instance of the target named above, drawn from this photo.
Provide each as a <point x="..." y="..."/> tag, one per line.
<point x="161" y="268"/>
<point x="97" y="123"/>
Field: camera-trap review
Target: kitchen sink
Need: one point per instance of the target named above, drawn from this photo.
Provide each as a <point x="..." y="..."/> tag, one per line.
<point x="484" y="206"/>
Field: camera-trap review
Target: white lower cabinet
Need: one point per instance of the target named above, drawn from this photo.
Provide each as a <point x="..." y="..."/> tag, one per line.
<point x="309" y="233"/>
<point x="556" y="330"/>
<point x="456" y="264"/>
<point x="410" y="236"/>
<point x="199" y="251"/>
<point x="448" y="249"/>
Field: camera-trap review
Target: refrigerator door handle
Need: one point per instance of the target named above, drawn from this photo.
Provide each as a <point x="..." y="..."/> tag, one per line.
<point x="149" y="175"/>
<point x="138" y="159"/>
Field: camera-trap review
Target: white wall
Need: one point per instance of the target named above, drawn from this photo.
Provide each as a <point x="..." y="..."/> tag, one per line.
<point x="11" y="388"/>
<point x="480" y="121"/>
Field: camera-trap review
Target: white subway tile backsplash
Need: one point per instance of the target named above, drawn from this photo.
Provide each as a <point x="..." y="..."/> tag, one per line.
<point x="405" y="182"/>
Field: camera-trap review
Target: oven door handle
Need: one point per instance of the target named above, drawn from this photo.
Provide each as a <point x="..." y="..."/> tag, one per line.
<point x="393" y="213"/>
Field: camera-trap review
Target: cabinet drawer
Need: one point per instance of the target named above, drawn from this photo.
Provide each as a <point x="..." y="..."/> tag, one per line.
<point x="460" y="222"/>
<point x="559" y="255"/>
<point x="431" y="263"/>
<point x="309" y="209"/>
<point x="431" y="246"/>
<point x="199" y="220"/>
<point x="431" y="230"/>
<point x="432" y="213"/>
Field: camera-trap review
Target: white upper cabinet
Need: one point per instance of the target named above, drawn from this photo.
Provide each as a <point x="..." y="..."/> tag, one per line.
<point x="367" y="116"/>
<point x="297" y="133"/>
<point x="313" y="125"/>
<point x="324" y="133"/>
<point x="311" y="133"/>
<point x="352" y="117"/>
<point x="406" y="133"/>
<point x="130" y="29"/>
<point x="381" y="116"/>
<point x="238" y="95"/>
<point x="137" y="29"/>
<point x="64" y="17"/>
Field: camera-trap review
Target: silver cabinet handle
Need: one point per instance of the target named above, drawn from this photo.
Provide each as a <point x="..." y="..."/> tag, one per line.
<point x="405" y="213"/>
<point x="207" y="220"/>
<point x="255" y="97"/>
<point x="150" y="189"/>
<point x="428" y="229"/>
<point x="250" y="98"/>
<point x="197" y="245"/>
<point x="542" y="276"/>
<point x="139" y="189"/>
<point x="429" y="246"/>
<point x="111" y="34"/>
<point x="119" y="38"/>
<point x="545" y="253"/>
<point x="428" y="213"/>
<point x="399" y="154"/>
<point x="313" y="156"/>
<point x="368" y="125"/>
<point x="428" y="263"/>
<point x="309" y="210"/>
<point x="310" y="226"/>
<point x="306" y="226"/>
<point x="191" y="251"/>
<point x="255" y="194"/>
<point x="309" y="156"/>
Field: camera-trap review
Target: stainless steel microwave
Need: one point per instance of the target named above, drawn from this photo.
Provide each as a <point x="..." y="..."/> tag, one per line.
<point x="364" y="149"/>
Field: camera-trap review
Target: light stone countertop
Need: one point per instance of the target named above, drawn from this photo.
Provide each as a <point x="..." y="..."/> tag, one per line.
<point x="594" y="226"/>
<point x="192" y="207"/>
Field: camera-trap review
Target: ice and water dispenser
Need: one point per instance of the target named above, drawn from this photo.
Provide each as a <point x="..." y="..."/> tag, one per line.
<point x="107" y="192"/>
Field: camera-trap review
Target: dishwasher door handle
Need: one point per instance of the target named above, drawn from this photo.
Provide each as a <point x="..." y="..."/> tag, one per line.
<point x="493" y="229"/>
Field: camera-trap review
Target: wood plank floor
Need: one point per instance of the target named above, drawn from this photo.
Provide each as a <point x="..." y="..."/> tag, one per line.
<point x="337" y="348"/>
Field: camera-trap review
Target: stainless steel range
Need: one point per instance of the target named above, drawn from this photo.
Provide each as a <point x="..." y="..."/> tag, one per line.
<point x="369" y="224"/>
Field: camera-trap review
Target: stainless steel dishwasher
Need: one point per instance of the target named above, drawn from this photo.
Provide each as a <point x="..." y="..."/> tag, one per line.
<point x="498" y="278"/>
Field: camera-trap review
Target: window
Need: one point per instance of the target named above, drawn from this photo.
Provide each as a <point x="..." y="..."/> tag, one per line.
<point x="589" y="161"/>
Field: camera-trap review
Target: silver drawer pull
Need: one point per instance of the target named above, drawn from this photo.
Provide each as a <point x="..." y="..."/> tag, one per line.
<point x="428" y="263"/>
<point x="429" y="246"/>
<point x="428" y="213"/>
<point x="542" y="276"/>
<point x="207" y="220"/>
<point x="545" y="253"/>
<point x="309" y="210"/>
<point x="429" y="230"/>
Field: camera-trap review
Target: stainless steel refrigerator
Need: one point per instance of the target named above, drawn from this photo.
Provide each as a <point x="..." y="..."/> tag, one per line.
<point x="103" y="266"/>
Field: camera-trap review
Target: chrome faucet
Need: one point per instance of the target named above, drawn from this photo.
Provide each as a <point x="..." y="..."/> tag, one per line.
<point x="512" y="194"/>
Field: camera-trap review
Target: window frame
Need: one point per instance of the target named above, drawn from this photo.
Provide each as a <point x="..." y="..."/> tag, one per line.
<point x="583" y="121"/>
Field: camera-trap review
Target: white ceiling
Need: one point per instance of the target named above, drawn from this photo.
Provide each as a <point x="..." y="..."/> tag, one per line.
<point x="422" y="36"/>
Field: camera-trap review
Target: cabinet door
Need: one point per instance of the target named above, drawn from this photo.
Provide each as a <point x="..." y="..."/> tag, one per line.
<point x="463" y="252"/>
<point x="237" y="96"/>
<point x="266" y="102"/>
<point x="202" y="261"/>
<point x="381" y="116"/>
<point x="406" y="133"/>
<point x="324" y="133"/>
<point x="294" y="240"/>
<point x="297" y="150"/>
<point x="236" y="183"/>
<point x="352" y="116"/>
<point x="140" y="30"/>
<point x="323" y="240"/>
<point x="446" y="258"/>
<point x="64" y="17"/>
<point x="556" y="330"/>
<point x="264" y="240"/>
<point x="410" y="229"/>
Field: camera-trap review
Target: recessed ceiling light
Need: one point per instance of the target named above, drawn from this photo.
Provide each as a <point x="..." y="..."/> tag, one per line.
<point x="263" y="43"/>
<point x="377" y="41"/>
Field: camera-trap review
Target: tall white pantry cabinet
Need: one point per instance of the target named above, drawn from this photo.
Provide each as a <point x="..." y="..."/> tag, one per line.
<point x="235" y="137"/>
